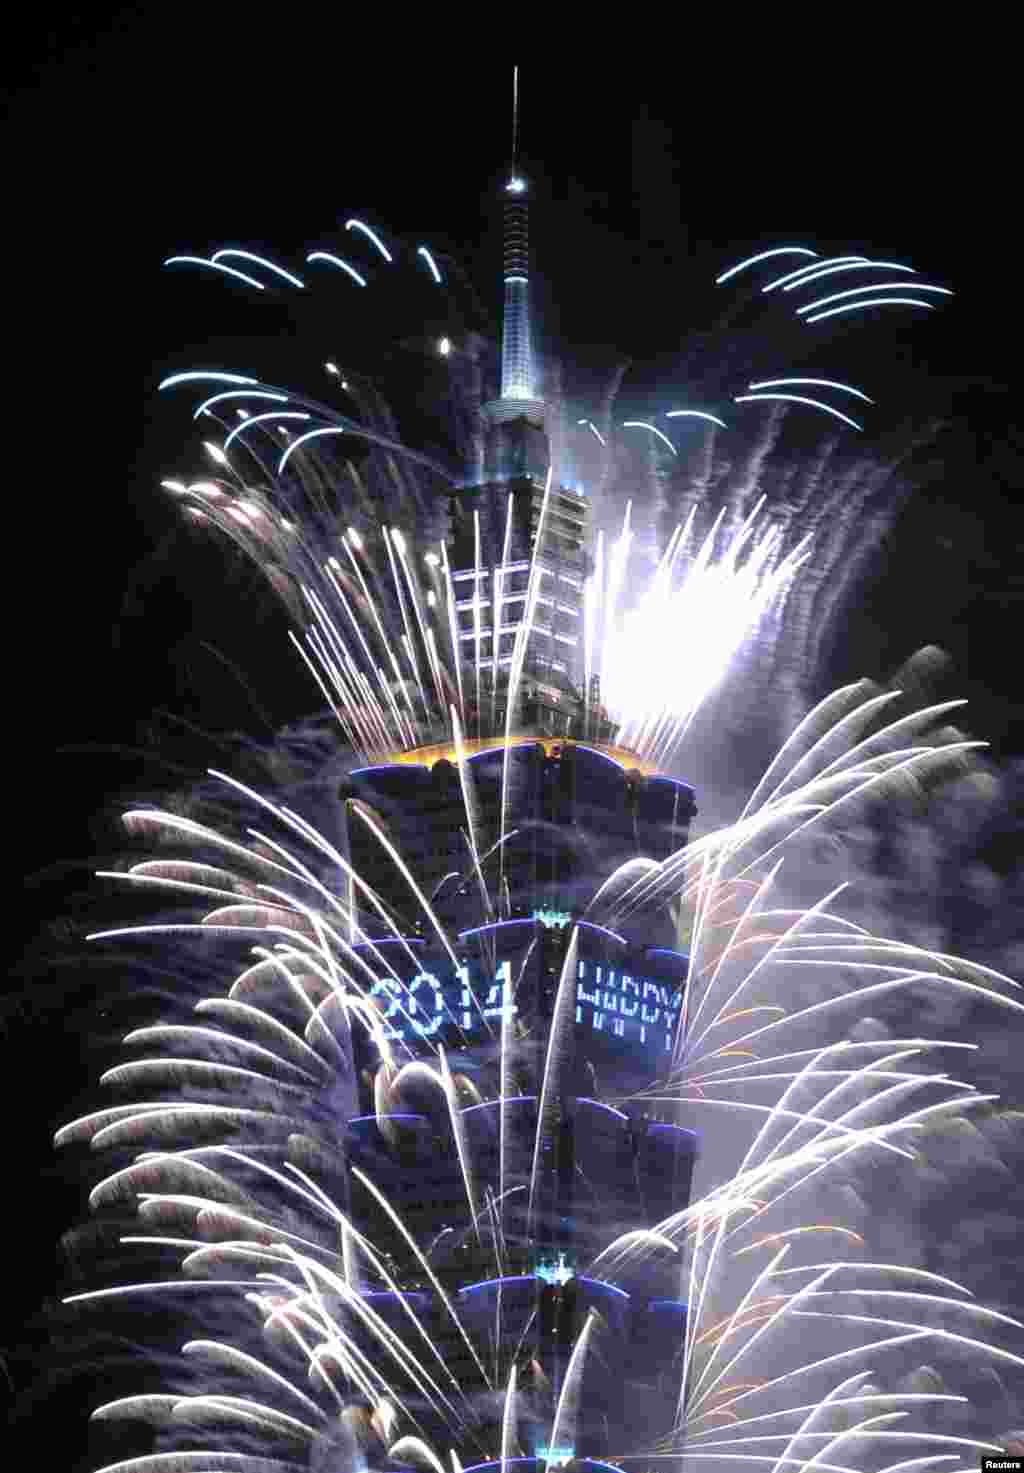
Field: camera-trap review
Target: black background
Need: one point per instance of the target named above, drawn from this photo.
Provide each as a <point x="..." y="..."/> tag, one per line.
<point x="156" y="130"/>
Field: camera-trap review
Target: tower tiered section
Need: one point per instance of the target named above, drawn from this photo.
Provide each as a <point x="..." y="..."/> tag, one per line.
<point x="540" y="1154"/>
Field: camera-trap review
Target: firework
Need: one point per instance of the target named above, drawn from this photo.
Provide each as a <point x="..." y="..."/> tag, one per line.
<point x="338" y="1047"/>
<point x="241" y="1133"/>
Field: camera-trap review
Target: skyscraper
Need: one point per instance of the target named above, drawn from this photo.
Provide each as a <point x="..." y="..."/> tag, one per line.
<point x="551" y="1024"/>
<point x="495" y="526"/>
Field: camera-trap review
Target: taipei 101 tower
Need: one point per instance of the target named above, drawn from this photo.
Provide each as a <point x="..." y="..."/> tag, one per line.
<point x="553" y="1027"/>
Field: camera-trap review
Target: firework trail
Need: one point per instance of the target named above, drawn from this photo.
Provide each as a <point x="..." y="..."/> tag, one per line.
<point x="233" y="1153"/>
<point x="336" y="1324"/>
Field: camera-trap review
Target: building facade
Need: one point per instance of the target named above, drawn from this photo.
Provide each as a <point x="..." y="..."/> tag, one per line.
<point x="553" y="1027"/>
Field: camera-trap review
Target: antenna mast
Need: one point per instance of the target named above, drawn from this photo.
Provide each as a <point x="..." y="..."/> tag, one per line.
<point x="515" y="117"/>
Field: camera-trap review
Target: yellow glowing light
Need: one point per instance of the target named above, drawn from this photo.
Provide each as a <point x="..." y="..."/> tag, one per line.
<point x="553" y="746"/>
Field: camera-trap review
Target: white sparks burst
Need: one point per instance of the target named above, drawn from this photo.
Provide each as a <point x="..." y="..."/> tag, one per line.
<point x="279" y="1134"/>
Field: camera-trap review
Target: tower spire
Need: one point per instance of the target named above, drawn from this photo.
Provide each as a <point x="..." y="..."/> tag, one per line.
<point x="515" y="119"/>
<point x="516" y="354"/>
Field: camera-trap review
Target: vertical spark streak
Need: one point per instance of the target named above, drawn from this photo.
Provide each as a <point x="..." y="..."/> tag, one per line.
<point x="423" y="1262"/>
<point x="561" y="1023"/>
<point x="563" y="1429"/>
<point x="498" y="609"/>
<point x="508" y="1420"/>
<point x="453" y="630"/>
<point x="470" y="807"/>
<point x="477" y="632"/>
<point x="385" y="641"/>
<point x="391" y="536"/>
<point x="518" y="658"/>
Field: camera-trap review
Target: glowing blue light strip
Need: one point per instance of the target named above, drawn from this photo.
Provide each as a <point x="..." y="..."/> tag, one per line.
<point x="514" y="746"/>
<point x="224" y="378"/>
<point x="215" y="266"/>
<point x="874" y="302"/>
<point x="641" y="424"/>
<point x="238" y="394"/>
<point x="799" y="399"/>
<point x="666" y="951"/>
<point x="677" y="782"/>
<point x="669" y="1304"/>
<point x="498" y="1462"/>
<point x="491" y="1104"/>
<point x="821" y="383"/>
<point x="260" y="418"/>
<point x="764" y="256"/>
<point x="358" y="225"/>
<point x="493" y="926"/>
<point x="613" y="760"/>
<point x="422" y="251"/>
<point x="695" y="414"/>
<point x="337" y="261"/>
<point x="880" y="286"/>
<point x="260" y="261"/>
<point x="485" y="1284"/>
<point x="502" y="1462"/>
<point x="391" y="1115"/>
<point x="796" y="277"/>
<point x="614" y="934"/>
<point x="600" y="1104"/>
<point x="667" y="1125"/>
<point x="388" y="767"/>
<point x="600" y="1284"/>
<point x="860" y="264"/>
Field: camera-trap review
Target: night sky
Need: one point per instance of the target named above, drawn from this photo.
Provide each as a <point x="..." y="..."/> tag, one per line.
<point x="160" y="133"/>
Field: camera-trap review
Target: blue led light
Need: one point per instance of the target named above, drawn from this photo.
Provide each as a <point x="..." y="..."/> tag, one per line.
<point x="494" y="925"/>
<point x="391" y="1115"/>
<point x="503" y="1462"/>
<point x="609" y="1288"/>
<point x="600" y="1105"/>
<point x="499" y="1462"/>
<point x="591" y="926"/>
<point x="580" y="747"/>
<point x="384" y="767"/>
<point x="675" y="781"/>
<point x="493" y="1104"/>
<point x="486" y="1284"/>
